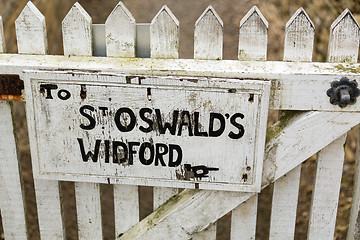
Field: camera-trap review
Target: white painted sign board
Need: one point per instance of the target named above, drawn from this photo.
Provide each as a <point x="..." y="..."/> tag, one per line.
<point x="187" y="132"/>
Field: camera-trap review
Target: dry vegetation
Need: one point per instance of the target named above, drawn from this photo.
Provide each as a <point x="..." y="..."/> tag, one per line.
<point x="277" y="12"/>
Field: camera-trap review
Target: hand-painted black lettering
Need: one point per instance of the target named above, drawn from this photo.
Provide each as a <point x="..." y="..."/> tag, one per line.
<point x="197" y="131"/>
<point x="172" y="127"/>
<point x="103" y="110"/>
<point x="142" y="113"/>
<point x="132" y="151"/>
<point x="92" y="120"/>
<point x="64" y="94"/>
<point x="161" y="150"/>
<point x="107" y="150"/>
<point x="117" y="158"/>
<point x="143" y="147"/>
<point x="200" y="171"/>
<point x="93" y="156"/>
<point x="185" y="121"/>
<point x="48" y="88"/>
<point x="127" y="127"/>
<point x="175" y="148"/>
<point x="237" y="125"/>
<point x="218" y="132"/>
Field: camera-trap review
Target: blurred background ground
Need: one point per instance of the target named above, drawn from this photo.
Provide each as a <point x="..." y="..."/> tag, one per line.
<point x="277" y="13"/>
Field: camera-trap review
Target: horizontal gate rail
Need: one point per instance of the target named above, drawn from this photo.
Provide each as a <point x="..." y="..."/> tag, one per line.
<point x="295" y="86"/>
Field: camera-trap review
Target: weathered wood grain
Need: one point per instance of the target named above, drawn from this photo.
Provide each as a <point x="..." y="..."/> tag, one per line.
<point x="354" y="223"/>
<point x="162" y="194"/>
<point x="243" y="220"/>
<point x="164" y="35"/>
<point x="299" y="38"/>
<point x="48" y="202"/>
<point x="164" y="43"/>
<point x="208" y="234"/>
<point x="284" y="150"/>
<point x="295" y="86"/>
<point x="77" y="40"/>
<point x="31" y="25"/>
<point x="88" y="208"/>
<point x="31" y="31"/>
<point x="120" y="28"/>
<point x="284" y="205"/>
<point x="253" y="36"/>
<point x="343" y="46"/>
<point x="2" y="37"/>
<point x="344" y="39"/>
<point x="208" y="36"/>
<point x="208" y="44"/>
<point x="11" y="197"/>
<point x="126" y="206"/>
<point x="77" y="32"/>
<point x="326" y="191"/>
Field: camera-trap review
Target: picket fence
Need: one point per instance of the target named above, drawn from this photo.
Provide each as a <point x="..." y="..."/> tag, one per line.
<point x="297" y="84"/>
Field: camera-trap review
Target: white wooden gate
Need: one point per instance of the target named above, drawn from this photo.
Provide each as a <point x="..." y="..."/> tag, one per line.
<point x="297" y="84"/>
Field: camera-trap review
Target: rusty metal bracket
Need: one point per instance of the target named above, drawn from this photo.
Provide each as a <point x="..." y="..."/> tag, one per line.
<point x="11" y="87"/>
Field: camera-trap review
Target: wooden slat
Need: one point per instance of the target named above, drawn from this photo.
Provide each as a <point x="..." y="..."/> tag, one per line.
<point x="326" y="191"/>
<point x="208" y="35"/>
<point x="11" y="197"/>
<point x="162" y="194"/>
<point x="299" y="38"/>
<point x="88" y="208"/>
<point x="354" y="223"/>
<point x="126" y="205"/>
<point x="2" y="37"/>
<point x="286" y="150"/>
<point x="164" y="43"/>
<point x="32" y="39"/>
<point x="299" y="41"/>
<point x="344" y="39"/>
<point x="77" y="32"/>
<point x="284" y="205"/>
<point x="31" y="31"/>
<point x="288" y="92"/>
<point x="253" y="36"/>
<point x="343" y="46"/>
<point x="120" y="28"/>
<point x="206" y="234"/>
<point x="208" y="44"/>
<point x="77" y="40"/>
<point x="48" y="202"/>
<point x="243" y="220"/>
<point x="164" y="35"/>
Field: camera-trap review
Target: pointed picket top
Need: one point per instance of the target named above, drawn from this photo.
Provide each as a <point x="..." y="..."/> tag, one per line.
<point x="342" y="16"/>
<point x="344" y="39"/>
<point x="120" y="30"/>
<point x="209" y="10"/>
<point x="2" y="37"/>
<point x="253" y="36"/>
<point x="77" y="32"/>
<point x="249" y="14"/>
<point x="208" y="35"/>
<point x="30" y="28"/>
<point x="299" y="37"/>
<point x="164" y="35"/>
<point x="297" y="15"/>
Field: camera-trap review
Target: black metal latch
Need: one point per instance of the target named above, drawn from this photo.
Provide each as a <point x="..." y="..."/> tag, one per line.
<point x="343" y="92"/>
